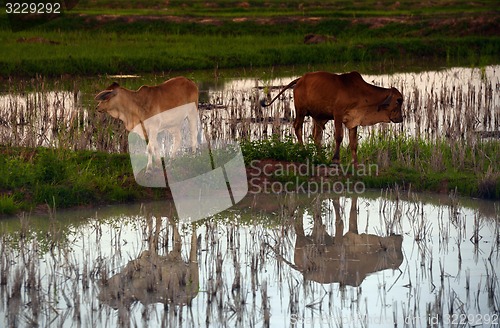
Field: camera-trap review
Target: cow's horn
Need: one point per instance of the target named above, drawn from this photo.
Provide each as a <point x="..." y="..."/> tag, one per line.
<point x="113" y="85"/>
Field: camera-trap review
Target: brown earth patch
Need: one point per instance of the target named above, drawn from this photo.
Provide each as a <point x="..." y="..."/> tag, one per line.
<point x="378" y="22"/>
<point x="318" y="38"/>
<point x="487" y="24"/>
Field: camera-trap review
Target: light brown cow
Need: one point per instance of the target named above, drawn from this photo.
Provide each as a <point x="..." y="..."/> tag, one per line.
<point x="141" y="108"/>
<point x="347" y="99"/>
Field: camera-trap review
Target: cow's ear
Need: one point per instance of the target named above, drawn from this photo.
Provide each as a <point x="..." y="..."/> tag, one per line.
<point x="105" y="95"/>
<point x="385" y="103"/>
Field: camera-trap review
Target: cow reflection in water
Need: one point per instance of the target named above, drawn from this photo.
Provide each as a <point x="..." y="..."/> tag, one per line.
<point x="154" y="278"/>
<point x="346" y="259"/>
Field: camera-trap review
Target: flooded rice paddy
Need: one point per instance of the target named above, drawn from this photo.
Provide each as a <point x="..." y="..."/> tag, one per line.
<point x="376" y="260"/>
<point x="454" y="103"/>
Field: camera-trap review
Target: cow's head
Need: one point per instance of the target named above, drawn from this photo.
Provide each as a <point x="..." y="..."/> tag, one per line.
<point x="392" y="106"/>
<point x="107" y="98"/>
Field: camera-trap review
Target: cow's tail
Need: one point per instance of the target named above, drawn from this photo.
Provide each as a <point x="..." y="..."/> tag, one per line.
<point x="290" y="85"/>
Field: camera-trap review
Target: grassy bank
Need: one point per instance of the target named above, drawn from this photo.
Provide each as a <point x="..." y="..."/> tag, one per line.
<point x="138" y="38"/>
<point x="386" y="161"/>
<point x="31" y="178"/>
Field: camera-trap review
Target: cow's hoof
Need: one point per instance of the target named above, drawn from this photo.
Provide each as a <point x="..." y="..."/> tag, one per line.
<point x="149" y="172"/>
<point x="147" y="175"/>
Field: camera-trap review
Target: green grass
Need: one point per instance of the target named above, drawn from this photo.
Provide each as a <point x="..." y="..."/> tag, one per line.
<point x="34" y="177"/>
<point x="259" y="7"/>
<point x="472" y="169"/>
<point x="88" y="45"/>
<point x="281" y="150"/>
<point x="63" y="178"/>
<point x="8" y="205"/>
<point x="106" y="53"/>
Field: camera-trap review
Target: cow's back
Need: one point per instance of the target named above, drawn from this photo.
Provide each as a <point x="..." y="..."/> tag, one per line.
<point x="323" y="95"/>
<point x="172" y="93"/>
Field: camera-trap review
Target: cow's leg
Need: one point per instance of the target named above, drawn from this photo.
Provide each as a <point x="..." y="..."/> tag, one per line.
<point x="353" y="144"/>
<point x="339" y="223"/>
<point x="353" y="215"/>
<point x="177" y="136"/>
<point x="152" y="151"/>
<point x="193" y="130"/>
<point x="149" y="166"/>
<point x="149" y="146"/>
<point x="318" y="128"/>
<point x="193" y="119"/>
<point x="297" y="125"/>
<point x="339" y="135"/>
<point x="299" y="222"/>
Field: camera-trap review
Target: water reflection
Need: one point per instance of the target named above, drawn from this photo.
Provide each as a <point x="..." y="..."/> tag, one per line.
<point x="343" y="258"/>
<point x="154" y="278"/>
<point x="283" y="261"/>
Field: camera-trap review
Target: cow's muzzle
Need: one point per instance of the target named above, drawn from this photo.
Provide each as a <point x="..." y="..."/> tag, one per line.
<point x="99" y="109"/>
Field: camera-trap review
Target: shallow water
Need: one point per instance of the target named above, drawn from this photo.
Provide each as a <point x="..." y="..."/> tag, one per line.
<point x="455" y="103"/>
<point x="272" y="260"/>
<point x="280" y="261"/>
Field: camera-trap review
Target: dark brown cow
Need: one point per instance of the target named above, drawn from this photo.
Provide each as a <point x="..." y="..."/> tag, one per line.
<point x="344" y="258"/>
<point x="345" y="98"/>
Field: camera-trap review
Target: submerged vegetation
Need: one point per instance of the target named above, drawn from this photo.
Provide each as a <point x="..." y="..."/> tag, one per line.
<point x="374" y="260"/>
